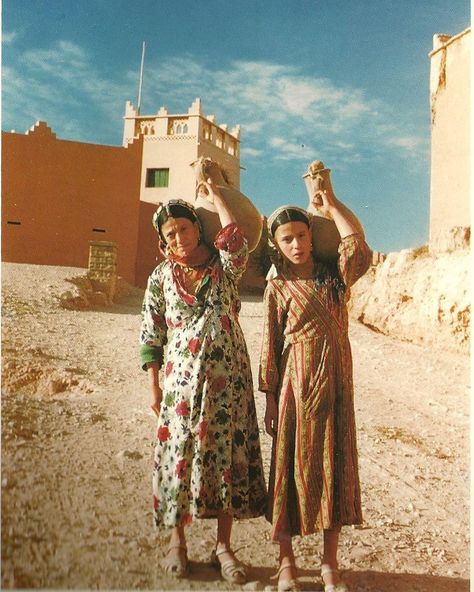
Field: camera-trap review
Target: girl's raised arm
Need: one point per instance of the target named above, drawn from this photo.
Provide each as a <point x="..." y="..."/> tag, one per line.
<point x="346" y="221"/>
<point x="354" y="254"/>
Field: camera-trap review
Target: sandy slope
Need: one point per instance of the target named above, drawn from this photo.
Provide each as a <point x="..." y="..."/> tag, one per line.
<point x="78" y="440"/>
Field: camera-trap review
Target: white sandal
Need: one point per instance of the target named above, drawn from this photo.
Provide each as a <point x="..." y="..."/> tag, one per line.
<point x="288" y="585"/>
<point x="339" y="587"/>
<point x="176" y="566"/>
<point x="232" y="570"/>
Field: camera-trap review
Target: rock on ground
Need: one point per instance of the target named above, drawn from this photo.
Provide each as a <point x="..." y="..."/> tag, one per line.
<point x="418" y="297"/>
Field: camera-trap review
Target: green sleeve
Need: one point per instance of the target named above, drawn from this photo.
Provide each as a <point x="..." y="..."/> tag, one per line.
<point x="150" y="353"/>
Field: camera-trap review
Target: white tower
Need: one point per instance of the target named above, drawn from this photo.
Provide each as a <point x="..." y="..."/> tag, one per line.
<point x="171" y="143"/>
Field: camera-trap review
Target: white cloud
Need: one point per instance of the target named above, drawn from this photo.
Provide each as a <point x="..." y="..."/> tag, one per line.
<point x="293" y="151"/>
<point x="250" y="152"/>
<point x="352" y="110"/>
<point x="9" y="37"/>
<point x="284" y="113"/>
<point x="409" y="143"/>
<point x="297" y="97"/>
<point x="277" y="142"/>
<point x="252" y="127"/>
<point x="301" y="96"/>
<point x="62" y="86"/>
<point x="344" y="145"/>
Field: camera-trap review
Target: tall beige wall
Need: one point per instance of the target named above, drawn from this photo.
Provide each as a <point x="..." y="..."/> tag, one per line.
<point x="450" y="138"/>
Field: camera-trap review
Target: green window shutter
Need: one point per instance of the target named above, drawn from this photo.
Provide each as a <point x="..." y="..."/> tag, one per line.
<point x="157" y="177"/>
<point x="162" y="177"/>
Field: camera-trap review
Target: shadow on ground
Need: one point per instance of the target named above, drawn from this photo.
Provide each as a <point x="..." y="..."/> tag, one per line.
<point x="261" y="578"/>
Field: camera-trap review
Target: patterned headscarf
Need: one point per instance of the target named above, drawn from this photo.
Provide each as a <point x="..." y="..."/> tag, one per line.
<point x="187" y="211"/>
<point x="290" y="212"/>
<point x="195" y="264"/>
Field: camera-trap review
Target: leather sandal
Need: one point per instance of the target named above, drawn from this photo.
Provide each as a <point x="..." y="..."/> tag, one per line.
<point x="287" y="585"/>
<point x="176" y="565"/>
<point x="232" y="570"/>
<point x="339" y="587"/>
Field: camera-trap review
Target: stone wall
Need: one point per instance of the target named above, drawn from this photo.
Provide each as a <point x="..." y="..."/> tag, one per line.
<point x="103" y="267"/>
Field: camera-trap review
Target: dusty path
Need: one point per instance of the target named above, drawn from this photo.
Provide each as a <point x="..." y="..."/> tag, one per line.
<point x="78" y="440"/>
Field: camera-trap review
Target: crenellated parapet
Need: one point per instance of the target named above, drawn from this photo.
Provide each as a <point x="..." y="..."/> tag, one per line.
<point x="194" y="126"/>
<point x="41" y="128"/>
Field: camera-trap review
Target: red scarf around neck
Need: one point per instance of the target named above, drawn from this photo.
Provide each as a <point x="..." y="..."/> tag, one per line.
<point x="200" y="256"/>
<point x="198" y="261"/>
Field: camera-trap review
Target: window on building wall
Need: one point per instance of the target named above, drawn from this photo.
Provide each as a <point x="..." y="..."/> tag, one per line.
<point x="207" y="132"/>
<point x="157" y="177"/>
<point x="179" y="128"/>
<point x="220" y="140"/>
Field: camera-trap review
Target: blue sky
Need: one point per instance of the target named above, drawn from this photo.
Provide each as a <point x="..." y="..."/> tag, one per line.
<point x="344" y="82"/>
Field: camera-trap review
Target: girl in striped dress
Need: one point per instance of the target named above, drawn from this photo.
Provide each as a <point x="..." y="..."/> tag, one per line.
<point x="306" y="373"/>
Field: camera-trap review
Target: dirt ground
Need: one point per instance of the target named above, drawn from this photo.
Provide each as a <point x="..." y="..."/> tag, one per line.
<point x="77" y="446"/>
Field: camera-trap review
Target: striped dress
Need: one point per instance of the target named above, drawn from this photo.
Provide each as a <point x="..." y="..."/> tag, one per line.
<point x="306" y="360"/>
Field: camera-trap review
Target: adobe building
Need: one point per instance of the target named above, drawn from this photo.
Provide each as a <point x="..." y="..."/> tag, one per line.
<point x="450" y="142"/>
<point x="171" y="143"/>
<point x="59" y="195"/>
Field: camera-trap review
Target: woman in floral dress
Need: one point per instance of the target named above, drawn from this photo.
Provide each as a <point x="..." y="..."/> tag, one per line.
<point x="306" y="373"/>
<point x="207" y="457"/>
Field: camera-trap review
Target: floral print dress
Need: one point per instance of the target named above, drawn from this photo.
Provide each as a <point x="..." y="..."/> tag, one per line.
<point x="207" y="455"/>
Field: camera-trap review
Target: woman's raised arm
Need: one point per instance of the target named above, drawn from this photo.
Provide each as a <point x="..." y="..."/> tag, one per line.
<point x="209" y="191"/>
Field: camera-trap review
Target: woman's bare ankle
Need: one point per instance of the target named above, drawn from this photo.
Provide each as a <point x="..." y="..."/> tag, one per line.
<point x="177" y="538"/>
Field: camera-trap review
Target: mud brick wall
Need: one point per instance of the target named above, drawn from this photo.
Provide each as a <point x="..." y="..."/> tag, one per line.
<point x="103" y="267"/>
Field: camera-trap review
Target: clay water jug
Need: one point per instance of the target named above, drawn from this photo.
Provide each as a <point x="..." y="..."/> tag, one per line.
<point x="326" y="237"/>
<point x="246" y="214"/>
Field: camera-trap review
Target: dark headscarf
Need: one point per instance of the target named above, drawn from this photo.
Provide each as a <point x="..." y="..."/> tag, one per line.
<point x="174" y="208"/>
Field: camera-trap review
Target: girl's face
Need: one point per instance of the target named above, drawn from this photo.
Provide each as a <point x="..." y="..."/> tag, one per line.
<point x="181" y="235"/>
<point x="294" y="241"/>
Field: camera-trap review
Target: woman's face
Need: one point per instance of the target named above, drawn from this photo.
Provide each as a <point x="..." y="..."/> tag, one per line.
<point x="294" y="241"/>
<point x="181" y="235"/>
